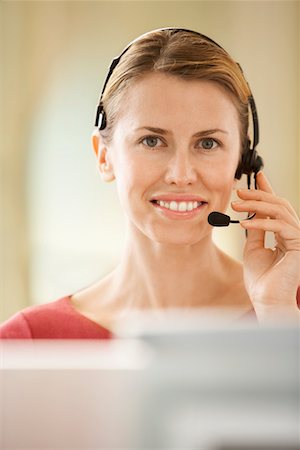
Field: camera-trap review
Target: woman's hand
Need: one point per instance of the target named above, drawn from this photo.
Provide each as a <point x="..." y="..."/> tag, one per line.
<point x="272" y="276"/>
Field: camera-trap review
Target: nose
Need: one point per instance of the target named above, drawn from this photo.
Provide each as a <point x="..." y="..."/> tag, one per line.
<point x="181" y="170"/>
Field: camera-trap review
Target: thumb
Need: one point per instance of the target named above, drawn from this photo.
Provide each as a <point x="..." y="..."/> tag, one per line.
<point x="255" y="237"/>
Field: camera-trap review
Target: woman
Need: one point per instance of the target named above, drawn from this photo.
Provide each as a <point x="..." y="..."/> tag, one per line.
<point x="173" y="134"/>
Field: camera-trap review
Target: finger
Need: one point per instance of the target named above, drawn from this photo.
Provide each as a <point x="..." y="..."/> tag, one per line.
<point x="255" y="194"/>
<point x="247" y="194"/>
<point x="255" y="238"/>
<point x="263" y="183"/>
<point x="287" y="232"/>
<point x="266" y="210"/>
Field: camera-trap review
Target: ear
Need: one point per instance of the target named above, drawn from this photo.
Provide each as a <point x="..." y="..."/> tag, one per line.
<point x="104" y="161"/>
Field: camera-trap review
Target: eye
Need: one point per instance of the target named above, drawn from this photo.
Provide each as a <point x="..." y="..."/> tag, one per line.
<point x="151" y="141"/>
<point x="208" y="143"/>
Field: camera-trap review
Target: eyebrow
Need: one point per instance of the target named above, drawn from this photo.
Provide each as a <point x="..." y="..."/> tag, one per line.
<point x="198" y="134"/>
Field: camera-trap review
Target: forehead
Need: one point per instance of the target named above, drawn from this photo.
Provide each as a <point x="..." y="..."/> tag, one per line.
<point x="164" y="100"/>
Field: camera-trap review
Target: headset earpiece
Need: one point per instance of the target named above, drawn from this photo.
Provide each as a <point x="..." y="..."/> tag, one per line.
<point x="100" y="120"/>
<point x="250" y="162"/>
<point x="258" y="163"/>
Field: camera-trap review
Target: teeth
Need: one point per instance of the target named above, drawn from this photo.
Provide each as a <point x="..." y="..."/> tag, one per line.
<point x="182" y="206"/>
<point x="174" y="206"/>
<point x="164" y="204"/>
<point x="179" y="206"/>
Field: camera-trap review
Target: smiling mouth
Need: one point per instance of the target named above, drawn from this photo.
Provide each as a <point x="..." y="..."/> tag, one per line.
<point x="181" y="206"/>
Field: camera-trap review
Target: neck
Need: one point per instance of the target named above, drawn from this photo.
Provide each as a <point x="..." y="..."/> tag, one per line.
<point x="155" y="275"/>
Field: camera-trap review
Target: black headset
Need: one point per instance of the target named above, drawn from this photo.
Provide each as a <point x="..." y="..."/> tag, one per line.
<point x="250" y="161"/>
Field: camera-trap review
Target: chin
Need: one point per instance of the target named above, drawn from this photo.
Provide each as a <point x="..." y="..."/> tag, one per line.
<point x="179" y="237"/>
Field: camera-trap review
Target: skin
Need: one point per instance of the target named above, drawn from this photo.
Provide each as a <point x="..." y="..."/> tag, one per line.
<point x="170" y="259"/>
<point x="272" y="276"/>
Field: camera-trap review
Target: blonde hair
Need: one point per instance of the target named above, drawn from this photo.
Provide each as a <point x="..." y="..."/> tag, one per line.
<point x="182" y="53"/>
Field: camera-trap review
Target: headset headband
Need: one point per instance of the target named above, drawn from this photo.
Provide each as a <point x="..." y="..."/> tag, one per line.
<point x="100" y="120"/>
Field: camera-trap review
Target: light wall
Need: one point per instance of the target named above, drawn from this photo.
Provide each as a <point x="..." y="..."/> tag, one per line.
<point x="62" y="227"/>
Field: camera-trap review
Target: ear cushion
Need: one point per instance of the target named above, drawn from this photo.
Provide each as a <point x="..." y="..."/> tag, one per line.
<point x="258" y="164"/>
<point x="250" y="163"/>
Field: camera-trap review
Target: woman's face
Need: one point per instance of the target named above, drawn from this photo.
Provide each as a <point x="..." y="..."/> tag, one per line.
<point x="174" y="153"/>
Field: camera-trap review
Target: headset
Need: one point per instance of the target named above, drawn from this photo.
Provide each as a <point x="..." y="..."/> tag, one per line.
<point x="250" y="162"/>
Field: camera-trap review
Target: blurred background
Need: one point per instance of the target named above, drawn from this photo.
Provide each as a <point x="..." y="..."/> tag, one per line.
<point x="62" y="227"/>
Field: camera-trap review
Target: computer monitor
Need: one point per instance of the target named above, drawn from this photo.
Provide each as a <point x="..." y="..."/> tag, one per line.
<point x="231" y="388"/>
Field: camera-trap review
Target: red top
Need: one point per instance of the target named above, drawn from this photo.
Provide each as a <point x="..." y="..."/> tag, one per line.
<point x="60" y="320"/>
<point x="55" y="320"/>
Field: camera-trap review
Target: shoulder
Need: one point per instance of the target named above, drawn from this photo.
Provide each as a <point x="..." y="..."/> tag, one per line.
<point x="15" y="328"/>
<point x="54" y="320"/>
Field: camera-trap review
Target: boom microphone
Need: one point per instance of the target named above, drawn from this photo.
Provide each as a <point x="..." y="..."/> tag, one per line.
<point x="217" y="219"/>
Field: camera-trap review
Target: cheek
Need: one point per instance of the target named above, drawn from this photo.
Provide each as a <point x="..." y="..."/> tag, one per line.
<point x="219" y="183"/>
<point x="220" y="174"/>
<point x="130" y="179"/>
<point x="134" y="172"/>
